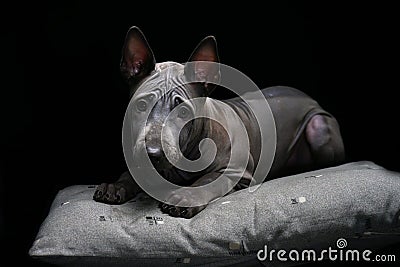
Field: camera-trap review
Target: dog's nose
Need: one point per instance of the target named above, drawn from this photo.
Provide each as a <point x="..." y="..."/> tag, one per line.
<point x="154" y="152"/>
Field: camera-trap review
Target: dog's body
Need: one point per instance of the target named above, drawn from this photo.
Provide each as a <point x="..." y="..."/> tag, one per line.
<point x="307" y="136"/>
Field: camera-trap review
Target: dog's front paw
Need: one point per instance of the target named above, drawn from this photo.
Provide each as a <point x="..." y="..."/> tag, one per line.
<point x="114" y="193"/>
<point x="182" y="205"/>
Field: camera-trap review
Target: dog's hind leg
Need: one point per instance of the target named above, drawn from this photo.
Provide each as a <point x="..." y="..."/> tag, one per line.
<point x="325" y="141"/>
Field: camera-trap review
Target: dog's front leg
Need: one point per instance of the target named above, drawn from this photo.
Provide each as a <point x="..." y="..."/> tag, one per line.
<point x="182" y="201"/>
<point x="119" y="192"/>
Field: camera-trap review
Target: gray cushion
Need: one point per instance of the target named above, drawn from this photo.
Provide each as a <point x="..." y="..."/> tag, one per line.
<point x="358" y="201"/>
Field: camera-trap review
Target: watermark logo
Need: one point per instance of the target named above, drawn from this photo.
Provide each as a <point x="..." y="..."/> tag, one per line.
<point x="341" y="243"/>
<point x="340" y="253"/>
<point x="157" y="87"/>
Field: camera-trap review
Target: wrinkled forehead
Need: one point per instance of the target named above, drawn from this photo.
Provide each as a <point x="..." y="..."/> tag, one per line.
<point x="166" y="77"/>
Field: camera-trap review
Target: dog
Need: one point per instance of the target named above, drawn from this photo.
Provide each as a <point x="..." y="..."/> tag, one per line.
<point x="307" y="137"/>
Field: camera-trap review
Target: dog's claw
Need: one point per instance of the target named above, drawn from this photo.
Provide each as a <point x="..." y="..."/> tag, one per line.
<point x="97" y="194"/>
<point x="172" y="209"/>
<point x="184" y="212"/>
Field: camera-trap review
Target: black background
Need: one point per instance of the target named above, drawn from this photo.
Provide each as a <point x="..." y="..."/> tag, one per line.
<point x="62" y="99"/>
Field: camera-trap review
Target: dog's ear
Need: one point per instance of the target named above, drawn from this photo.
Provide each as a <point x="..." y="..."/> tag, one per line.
<point x="137" y="58"/>
<point x="201" y="68"/>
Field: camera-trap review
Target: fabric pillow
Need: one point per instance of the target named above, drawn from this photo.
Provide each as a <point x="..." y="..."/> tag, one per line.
<point x="358" y="202"/>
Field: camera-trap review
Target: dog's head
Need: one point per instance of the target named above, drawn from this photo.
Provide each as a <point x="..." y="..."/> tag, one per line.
<point x="158" y="88"/>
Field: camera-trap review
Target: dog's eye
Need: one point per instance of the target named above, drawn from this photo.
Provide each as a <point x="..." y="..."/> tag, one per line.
<point x="141" y="105"/>
<point x="183" y="112"/>
<point x="177" y="101"/>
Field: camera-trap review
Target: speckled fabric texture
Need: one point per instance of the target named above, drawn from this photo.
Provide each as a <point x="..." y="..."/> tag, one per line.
<point x="357" y="201"/>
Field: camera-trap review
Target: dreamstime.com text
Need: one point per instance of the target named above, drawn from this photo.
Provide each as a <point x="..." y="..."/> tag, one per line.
<point x="340" y="253"/>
